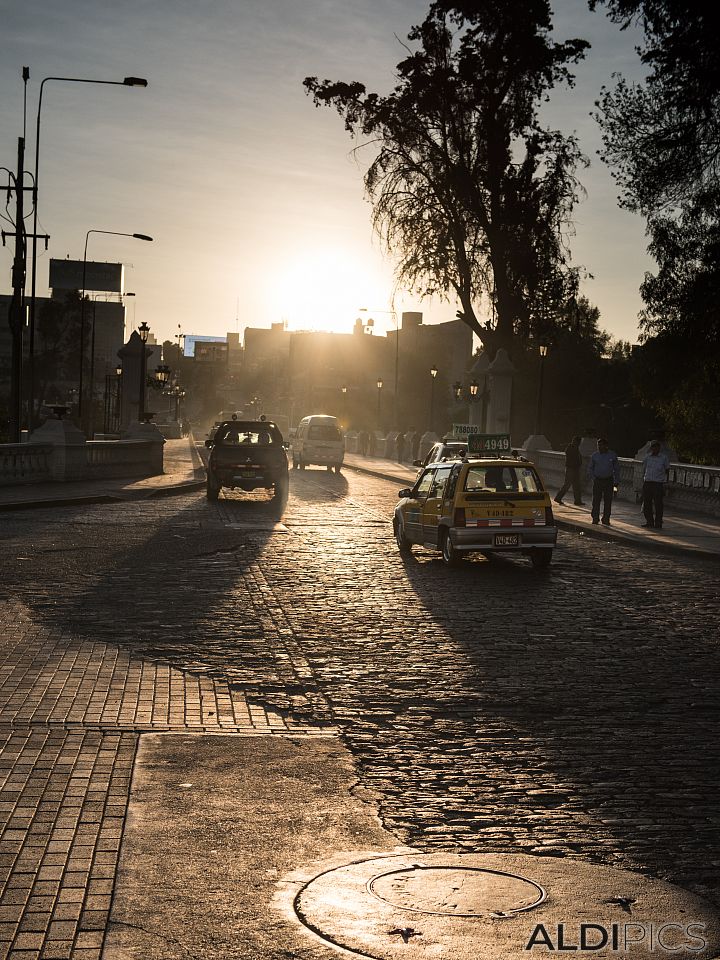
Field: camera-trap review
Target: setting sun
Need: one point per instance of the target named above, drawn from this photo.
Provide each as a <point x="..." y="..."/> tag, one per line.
<point x="325" y="290"/>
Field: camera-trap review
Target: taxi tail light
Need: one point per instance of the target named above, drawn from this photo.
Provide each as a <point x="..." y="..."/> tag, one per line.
<point x="549" y="519"/>
<point x="459" y="517"/>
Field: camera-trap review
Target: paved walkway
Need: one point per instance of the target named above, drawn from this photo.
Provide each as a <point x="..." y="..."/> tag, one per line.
<point x="183" y="471"/>
<point x="686" y="533"/>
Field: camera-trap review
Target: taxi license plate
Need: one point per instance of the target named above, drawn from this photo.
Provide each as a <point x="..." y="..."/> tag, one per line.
<point x="507" y="539"/>
<point x="247" y="473"/>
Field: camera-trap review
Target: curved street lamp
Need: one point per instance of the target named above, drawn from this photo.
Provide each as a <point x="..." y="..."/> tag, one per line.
<point x="126" y="82"/>
<point x="114" y="233"/>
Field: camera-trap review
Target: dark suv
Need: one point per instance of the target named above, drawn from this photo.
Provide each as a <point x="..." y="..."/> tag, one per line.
<point x="247" y="454"/>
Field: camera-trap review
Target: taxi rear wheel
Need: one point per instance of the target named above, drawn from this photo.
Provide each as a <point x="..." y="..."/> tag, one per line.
<point x="450" y="555"/>
<point x="540" y="559"/>
<point x="403" y="544"/>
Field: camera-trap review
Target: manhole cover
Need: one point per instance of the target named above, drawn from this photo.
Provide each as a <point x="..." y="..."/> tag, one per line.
<point x="443" y="906"/>
<point x="457" y="891"/>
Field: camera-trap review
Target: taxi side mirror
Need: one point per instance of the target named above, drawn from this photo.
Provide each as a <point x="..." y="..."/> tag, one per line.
<point x="405" y="492"/>
<point x="417" y="463"/>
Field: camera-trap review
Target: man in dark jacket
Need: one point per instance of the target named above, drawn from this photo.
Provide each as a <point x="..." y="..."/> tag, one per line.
<point x="573" y="463"/>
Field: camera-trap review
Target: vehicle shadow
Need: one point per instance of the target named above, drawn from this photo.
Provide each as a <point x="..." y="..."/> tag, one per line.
<point x="593" y="690"/>
<point x="187" y="592"/>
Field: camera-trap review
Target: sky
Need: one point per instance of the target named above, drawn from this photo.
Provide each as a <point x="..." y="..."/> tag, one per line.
<point x="252" y="195"/>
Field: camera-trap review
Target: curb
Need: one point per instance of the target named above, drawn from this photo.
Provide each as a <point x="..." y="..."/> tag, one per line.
<point x="98" y="498"/>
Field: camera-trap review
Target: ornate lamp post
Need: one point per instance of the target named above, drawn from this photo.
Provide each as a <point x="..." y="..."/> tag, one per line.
<point x="144" y="331"/>
<point x="379" y="395"/>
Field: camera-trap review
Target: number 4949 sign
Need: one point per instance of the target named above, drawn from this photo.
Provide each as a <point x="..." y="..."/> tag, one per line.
<point x="489" y="443"/>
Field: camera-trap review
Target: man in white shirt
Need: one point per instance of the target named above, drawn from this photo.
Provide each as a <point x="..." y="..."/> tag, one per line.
<point x="656" y="467"/>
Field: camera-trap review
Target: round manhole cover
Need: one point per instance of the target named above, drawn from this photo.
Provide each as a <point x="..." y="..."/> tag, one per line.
<point x="457" y="891"/>
<point x="444" y="906"/>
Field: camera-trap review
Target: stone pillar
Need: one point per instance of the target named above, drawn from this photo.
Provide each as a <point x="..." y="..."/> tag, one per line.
<point x="500" y="374"/>
<point x="132" y="372"/>
<point x="148" y="431"/>
<point x="69" y="456"/>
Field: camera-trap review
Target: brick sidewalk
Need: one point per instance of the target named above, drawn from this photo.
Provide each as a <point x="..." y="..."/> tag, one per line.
<point x="71" y="714"/>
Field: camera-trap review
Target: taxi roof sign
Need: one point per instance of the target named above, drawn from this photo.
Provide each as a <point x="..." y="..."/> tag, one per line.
<point x="489" y="443"/>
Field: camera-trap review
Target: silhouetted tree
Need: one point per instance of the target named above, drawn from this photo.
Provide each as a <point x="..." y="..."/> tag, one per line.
<point x="469" y="192"/>
<point x="662" y="138"/>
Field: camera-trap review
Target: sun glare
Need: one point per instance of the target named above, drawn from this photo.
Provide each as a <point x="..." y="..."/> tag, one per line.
<point x="324" y="291"/>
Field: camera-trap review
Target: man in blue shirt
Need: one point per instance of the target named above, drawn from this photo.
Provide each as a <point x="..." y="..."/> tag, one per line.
<point x="655" y="472"/>
<point x="604" y="471"/>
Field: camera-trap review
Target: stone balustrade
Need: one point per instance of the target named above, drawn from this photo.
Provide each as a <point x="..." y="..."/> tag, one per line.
<point x="120" y="458"/>
<point x="58" y="451"/>
<point x="25" y="463"/>
<point x="689" y="487"/>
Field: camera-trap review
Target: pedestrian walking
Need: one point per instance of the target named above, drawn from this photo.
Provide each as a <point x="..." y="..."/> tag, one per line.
<point x="656" y="467"/>
<point x="604" y="471"/>
<point x="573" y="463"/>
<point x="400" y="447"/>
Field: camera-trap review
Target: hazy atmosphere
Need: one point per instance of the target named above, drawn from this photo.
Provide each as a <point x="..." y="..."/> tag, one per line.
<point x="251" y="194"/>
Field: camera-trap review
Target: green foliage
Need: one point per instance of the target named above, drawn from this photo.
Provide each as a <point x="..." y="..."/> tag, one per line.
<point x="469" y="193"/>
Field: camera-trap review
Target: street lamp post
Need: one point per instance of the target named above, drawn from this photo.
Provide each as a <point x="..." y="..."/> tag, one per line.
<point x="433" y="374"/>
<point x="393" y="314"/>
<point x="144" y="331"/>
<point x="126" y="82"/>
<point x="379" y="395"/>
<point x="344" y="406"/>
<point x="538" y="405"/>
<point x="114" y="233"/>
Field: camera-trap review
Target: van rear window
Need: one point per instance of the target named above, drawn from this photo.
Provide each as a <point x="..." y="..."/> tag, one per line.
<point x="323" y="431"/>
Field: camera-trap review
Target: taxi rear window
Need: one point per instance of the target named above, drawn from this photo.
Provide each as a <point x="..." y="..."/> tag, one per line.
<point x="502" y="479"/>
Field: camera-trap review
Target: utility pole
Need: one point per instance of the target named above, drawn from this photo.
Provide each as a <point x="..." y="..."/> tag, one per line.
<point x="15" y="312"/>
<point x="17" y="303"/>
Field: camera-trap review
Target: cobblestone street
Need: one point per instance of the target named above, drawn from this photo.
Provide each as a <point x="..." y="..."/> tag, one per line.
<point x="488" y="708"/>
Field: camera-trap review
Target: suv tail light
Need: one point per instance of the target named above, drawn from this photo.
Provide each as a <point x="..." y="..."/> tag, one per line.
<point x="459" y="517"/>
<point x="549" y="519"/>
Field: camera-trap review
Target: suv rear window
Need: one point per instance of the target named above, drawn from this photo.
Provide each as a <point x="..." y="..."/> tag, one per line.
<point x="502" y="479"/>
<point x="323" y="431"/>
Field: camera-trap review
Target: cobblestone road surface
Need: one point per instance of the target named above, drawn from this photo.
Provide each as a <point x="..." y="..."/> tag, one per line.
<point x="489" y="707"/>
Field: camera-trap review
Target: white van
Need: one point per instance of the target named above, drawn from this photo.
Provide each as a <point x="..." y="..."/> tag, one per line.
<point x="318" y="441"/>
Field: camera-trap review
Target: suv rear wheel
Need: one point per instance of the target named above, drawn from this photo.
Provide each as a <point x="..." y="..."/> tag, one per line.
<point x="213" y="489"/>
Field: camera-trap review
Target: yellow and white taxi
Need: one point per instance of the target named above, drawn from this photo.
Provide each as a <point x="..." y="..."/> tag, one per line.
<point x="482" y="505"/>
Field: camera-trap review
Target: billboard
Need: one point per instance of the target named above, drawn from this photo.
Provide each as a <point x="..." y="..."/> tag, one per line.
<point x="68" y="275"/>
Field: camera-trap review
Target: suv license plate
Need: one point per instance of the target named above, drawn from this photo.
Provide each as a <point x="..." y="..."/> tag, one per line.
<point x="507" y="539"/>
<point x="247" y="473"/>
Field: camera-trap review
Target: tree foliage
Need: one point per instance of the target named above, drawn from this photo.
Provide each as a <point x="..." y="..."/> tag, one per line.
<point x="663" y="139"/>
<point x="662" y="136"/>
<point x="469" y="192"/>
